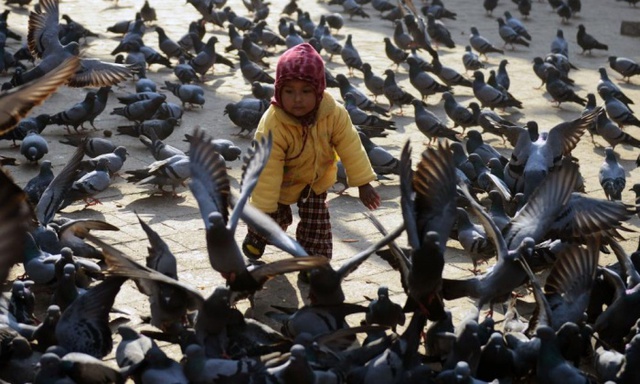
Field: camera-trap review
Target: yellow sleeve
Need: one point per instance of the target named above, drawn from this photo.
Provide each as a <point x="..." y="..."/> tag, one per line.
<point x="350" y="150"/>
<point x="266" y="194"/>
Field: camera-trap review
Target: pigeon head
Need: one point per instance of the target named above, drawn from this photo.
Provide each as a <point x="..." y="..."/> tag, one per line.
<point x="474" y="31"/>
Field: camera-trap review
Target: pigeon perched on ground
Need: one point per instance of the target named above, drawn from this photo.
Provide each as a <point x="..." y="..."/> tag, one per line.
<point x="612" y="176"/>
<point x="350" y="56"/>
<point x="361" y="118"/>
<point x="559" y="44"/>
<point x="482" y="45"/>
<point x="187" y="93"/>
<point x="394" y="93"/>
<point x="394" y="53"/>
<point x="439" y="33"/>
<point x="470" y="60"/>
<point x="252" y="71"/>
<point x="246" y="113"/>
<point x="625" y="67"/>
<point x="509" y="35"/>
<point x="617" y="110"/>
<point x="612" y="133"/>
<point x="448" y="75"/>
<point x="159" y="150"/>
<point x="588" y="42"/>
<point x="491" y="97"/>
<point x="423" y="82"/>
<point x="172" y="171"/>
<point x="140" y="110"/>
<point x="89" y="185"/>
<point x="160" y="128"/>
<point x="77" y="115"/>
<point x="605" y="82"/>
<point x="362" y="101"/>
<point x="34" y="147"/>
<point x="559" y="90"/>
<point x="430" y="125"/>
<point x="39" y="183"/>
<point x="460" y="115"/>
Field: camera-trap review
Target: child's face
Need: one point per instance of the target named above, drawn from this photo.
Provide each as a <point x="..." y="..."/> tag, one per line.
<point x="298" y="97"/>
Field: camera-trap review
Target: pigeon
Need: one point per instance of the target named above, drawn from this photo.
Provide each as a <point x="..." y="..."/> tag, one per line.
<point x="26" y="125"/>
<point x="552" y="367"/>
<point x="169" y="47"/>
<point x="617" y="110"/>
<point x="115" y="161"/>
<point x="140" y="110"/>
<point x="439" y="33"/>
<point x="470" y="60"/>
<point x="210" y="186"/>
<point x="84" y="327"/>
<point x="401" y="39"/>
<point x="473" y="238"/>
<point x="159" y="150"/>
<point x="18" y="101"/>
<point x="89" y="185"/>
<point x="561" y="92"/>
<point x="185" y="72"/>
<point x="266" y="36"/>
<point x="205" y="59"/>
<point x="383" y="311"/>
<point x="625" y="67"/>
<point x="423" y="82"/>
<point x="612" y="176"/>
<point x="361" y="118"/>
<point x="417" y="29"/>
<point x="330" y="44"/>
<point x="559" y="44"/>
<point x="382" y="161"/>
<point x="476" y="144"/>
<point x="448" y="75"/>
<point x="150" y="128"/>
<point x="540" y="69"/>
<point x="187" y="93"/>
<point x="394" y="93"/>
<point x="255" y="52"/>
<point x="502" y="77"/>
<point x="588" y="42"/>
<point x="489" y="6"/>
<point x="262" y="91"/>
<point x="460" y="115"/>
<point x="491" y="97"/>
<point x="37" y="185"/>
<point x="172" y="171"/>
<point x="252" y="71"/>
<point x="438" y="10"/>
<point x="292" y="38"/>
<point x="509" y="35"/>
<point x="77" y="115"/>
<point x="44" y="43"/>
<point x="482" y="45"/>
<point x="354" y="9"/>
<point x="516" y="25"/>
<point x="34" y="147"/>
<point x="147" y="12"/>
<point x="430" y="125"/>
<point x="362" y="101"/>
<point x="564" y="11"/>
<point x="350" y="56"/>
<point x="246" y="113"/>
<point x="605" y="82"/>
<point x="394" y="53"/>
<point x="612" y="133"/>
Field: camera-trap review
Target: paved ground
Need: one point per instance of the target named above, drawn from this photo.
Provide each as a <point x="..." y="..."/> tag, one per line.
<point x="178" y="220"/>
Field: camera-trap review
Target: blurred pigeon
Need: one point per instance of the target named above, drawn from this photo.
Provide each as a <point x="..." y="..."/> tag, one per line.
<point x="159" y="150"/>
<point x="482" y="45"/>
<point x="382" y="161"/>
<point x="84" y="326"/>
<point x="559" y="44"/>
<point x="588" y="42"/>
<point x="77" y="115"/>
<point x="19" y="101"/>
<point x="89" y="185"/>
<point x="430" y="125"/>
<point x="147" y="12"/>
<point x="402" y="39"/>
<point x="292" y="38"/>
<point x="246" y="113"/>
<point x="187" y="93"/>
<point x="612" y="176"/>
<point x="489" y="6"/>
<point x="37" y="185"/>
<point x="350" y="56"/>
<point x="37" y="124"/>
<point x="516" y="25"/>
<point x="470" y="60"/>
<point x="185" y="72"/>
<point x="255" y="52"/>
<point x="160" y="128"/>
<point x="552" y="367"/>
<point x="509" y="35"/>
<point x="252" y="71"/>
<point x="417" y="28"/>
<point x="330" y="44"/>
<point x="422" y="81"/>
<point x="262" y="91"/>
<point x="383" y="311"/>
<point x="617" y="110"/>
<point x="559" y="90"/>
<point x="34" y="147"/>
<point x="625" y="67"/>
<point x="439" y="33"/>
<point x="605" y="82"/>
<point x="540" y="69"/>
<point x="205" y="58"/>
<point x="354" y="9"/>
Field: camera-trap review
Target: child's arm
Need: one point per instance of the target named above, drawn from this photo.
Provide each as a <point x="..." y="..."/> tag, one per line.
<point x="266" y="194"/>
<point x="369" y="196"/>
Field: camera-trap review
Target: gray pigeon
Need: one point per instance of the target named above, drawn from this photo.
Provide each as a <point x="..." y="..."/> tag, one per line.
<point x="77" y="115"/>
<point x="262" y="91"/>
<point x="394" y="93"/>
<point x="252" y="71"/>
<point x="470" y="60"/>
<point x="559" y="44"/>
<point x="185" y="72"/>
<point x="205" y="60"/>
<point x="350" y="56"/>
<point x="402" y="39"/>
<point x="448" y="75"/>
<point x="612" y="176"/>
<point x="612" y="133"/>
<point x="140" y="110"/>
<point x="246" y="113"/>
<point x="362" y="101"/>
<point x="516" y="25"/>
<point x="552" y="368"/>
<point x="559" y="90"/>
<point x="588" y="42"/>
<point x="168" y="46"/>
<point x="430" y="125"/>
<point x="617" y="110"/>
<point x="172" y="171"/>
<point x="39" y="183"/>
<point x="330" y="44"/>
<point x="34" y="147"/>
<point x="115" y="161"/>
<point x="383" y="311"/>
<point x="625" y="67"/>
<point x="438" y="33"/>
<point x="491" y="97"/>
<point x="89" y="185"/>
<point x="84" y="326"/>
<point x="460" y="115"/>
<point x="394" y="53"/>
<point x="605" y="82"/>
<point x="158" y="127"/>
<point x="361" y="118"/>
<point x="422" y="81"/>
<point x="38" y="124"/>
<point x="159" y="150"/>
<point x="187" y="93"/>
<point x="509" y="35"/>
<point x="482" y="45"/>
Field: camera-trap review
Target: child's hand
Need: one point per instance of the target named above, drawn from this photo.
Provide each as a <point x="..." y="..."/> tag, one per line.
<point x="369" y="196"/>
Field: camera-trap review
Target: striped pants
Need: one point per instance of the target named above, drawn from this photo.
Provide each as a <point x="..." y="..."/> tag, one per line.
<point x="314" y="229"/>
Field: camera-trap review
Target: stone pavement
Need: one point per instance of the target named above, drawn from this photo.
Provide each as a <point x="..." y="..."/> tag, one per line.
<point x="178" y="221"/>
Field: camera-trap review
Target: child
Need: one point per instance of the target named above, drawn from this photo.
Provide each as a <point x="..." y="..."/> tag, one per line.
<point x="309" y="131"/>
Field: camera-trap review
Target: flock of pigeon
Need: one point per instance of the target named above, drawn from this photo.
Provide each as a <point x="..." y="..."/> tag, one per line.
<point x="523" y="208"/>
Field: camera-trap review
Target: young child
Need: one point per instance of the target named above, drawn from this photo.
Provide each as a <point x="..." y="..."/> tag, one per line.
<point x="310" y="130"/>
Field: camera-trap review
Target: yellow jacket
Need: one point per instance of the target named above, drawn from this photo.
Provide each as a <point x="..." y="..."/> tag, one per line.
<point x="294" y="164"/>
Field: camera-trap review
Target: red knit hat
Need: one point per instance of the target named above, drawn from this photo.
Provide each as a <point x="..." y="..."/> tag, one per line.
<point x="300" y="62"/>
